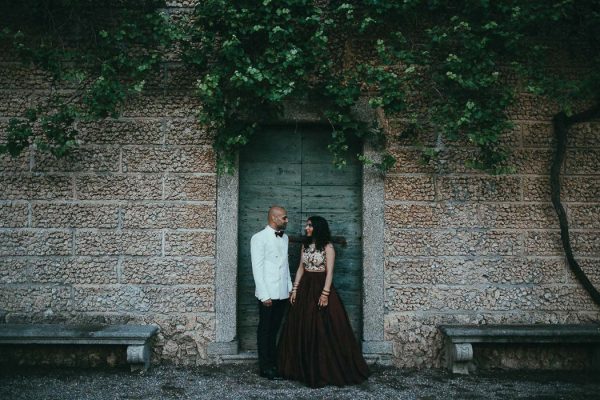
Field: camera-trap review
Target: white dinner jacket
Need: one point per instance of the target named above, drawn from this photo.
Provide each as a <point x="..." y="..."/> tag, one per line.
<point x="270" y="265"/>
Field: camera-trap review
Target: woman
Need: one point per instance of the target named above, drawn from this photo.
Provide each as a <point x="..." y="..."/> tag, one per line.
<point x="317" y="345"/>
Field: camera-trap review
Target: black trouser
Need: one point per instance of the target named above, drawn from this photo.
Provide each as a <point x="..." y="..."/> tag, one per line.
<point x="269" y="320"/>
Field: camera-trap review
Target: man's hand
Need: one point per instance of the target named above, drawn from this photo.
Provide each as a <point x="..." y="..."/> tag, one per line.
<point x="267" y="303"/>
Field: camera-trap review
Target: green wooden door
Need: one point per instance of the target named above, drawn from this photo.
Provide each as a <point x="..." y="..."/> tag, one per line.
<point x="291" y="167"/>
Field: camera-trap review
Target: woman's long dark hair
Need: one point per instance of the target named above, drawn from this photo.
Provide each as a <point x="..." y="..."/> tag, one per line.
<point x="321" y="234"/>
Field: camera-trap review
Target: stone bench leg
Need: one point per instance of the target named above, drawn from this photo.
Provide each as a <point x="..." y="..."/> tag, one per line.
<point x="459" y="356"/>
<point x="139" y="357"/>
<point x="596" y="358"/>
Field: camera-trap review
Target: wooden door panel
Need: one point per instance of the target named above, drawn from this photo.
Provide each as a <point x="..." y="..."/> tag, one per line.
<point x="292" y="167"/>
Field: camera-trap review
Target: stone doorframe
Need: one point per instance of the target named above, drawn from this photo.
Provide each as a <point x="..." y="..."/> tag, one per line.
<point x="374" y="346"/>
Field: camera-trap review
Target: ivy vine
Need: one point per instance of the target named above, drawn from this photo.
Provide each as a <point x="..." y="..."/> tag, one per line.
<point x="96" y="56"/>
<point x="452" y="68"/>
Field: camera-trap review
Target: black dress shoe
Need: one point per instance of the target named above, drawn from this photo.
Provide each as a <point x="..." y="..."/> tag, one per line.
<point x="271" y="374"/>
<point x="276" y="376"/>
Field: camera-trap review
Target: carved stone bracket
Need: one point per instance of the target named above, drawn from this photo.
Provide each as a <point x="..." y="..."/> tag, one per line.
<point x="139" y="357"/>
<point x="459" y="356"/>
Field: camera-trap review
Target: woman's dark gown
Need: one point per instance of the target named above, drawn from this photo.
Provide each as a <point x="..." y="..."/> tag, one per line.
<point x="317" y="345"/>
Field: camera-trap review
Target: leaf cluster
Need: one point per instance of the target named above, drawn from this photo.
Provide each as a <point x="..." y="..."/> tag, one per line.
<point x="453" y="68"/>
<point x="96" y="56"/>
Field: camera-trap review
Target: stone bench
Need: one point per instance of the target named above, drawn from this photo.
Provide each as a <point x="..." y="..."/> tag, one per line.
<point x="135" y="337"/>
<point x="459" y="339"/>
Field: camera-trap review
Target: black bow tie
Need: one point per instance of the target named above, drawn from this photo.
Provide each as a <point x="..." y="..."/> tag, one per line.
<point x="279" y="233"/>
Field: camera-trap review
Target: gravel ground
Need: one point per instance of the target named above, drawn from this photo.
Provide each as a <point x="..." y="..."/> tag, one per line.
<point x="242" y="382"/>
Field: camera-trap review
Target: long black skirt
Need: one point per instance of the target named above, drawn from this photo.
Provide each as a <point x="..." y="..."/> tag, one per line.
<point x="317" y="345"/>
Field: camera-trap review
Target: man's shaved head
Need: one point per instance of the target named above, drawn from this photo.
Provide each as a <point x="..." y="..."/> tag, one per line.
<point x="277" y="217"/>
<point x="275" y="210"/>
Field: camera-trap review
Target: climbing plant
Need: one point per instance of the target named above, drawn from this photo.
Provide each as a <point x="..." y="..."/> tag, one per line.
<point x="96" y="55"/>
<point x="454" y="68"/>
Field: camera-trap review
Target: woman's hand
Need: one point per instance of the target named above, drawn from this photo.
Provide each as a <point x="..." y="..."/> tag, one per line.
<point x="323" y="300"/>
<point x="293" y="297"/>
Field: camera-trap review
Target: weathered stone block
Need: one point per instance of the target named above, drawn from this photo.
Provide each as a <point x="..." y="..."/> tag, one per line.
<point x="537" y="134"/>
<point x="417" y="341"/>
<point x="172" y="159"/>
<point x="35" y="243"/>
<point x="177" y="299"/>
<point x="184" y="338"/>
<point x="592" y="135"/>
<point x="190" y="243"/>
<point x="450" y="242"/>
<point x="554" y="297"/>
<point x="531" y="161"/>
<point x="89" y="158"/>
<point x="14" y="270"/>
<point x="536" y="189"/>
<point x="470" y="215"/>
<point x="530" y="107"/>
<point x="35" y="298"/>
<point x="14" y="103"/>
<point x="137" y="243"/>
<point x="20" y="163"/>
<point x="580" y="134"/>
<point x="119" y="187"/>
<point x="409" y="188"/>
<point x="186" y="187"/>
<point x="590" y="267"/>
<point x="157" y="104"/>
<point x="543" y="243"/>
<point x="582" y="162"/>
<point x="410" y="160"/>
<point x="74" y="270"/>
<point x="581" y="189"/>
<point x="187" y="132"/>
<point x="454" y="159"/>
<point x="474" y="270"/>
<point x="121" y="131"/>
<point x="170" y="215"/>
<point x="178" y="78"/>
<point x="586" y="244"/>
<point x="69" y="215"/>
<point x="15" y="76"/>
<point x="168" y="271"/>
<point x="517" y="216"/>
<point x="33" y="187"/>
<point x="399" y="132"/>
<point x="181" y="3"/>
<point x="479" y="188"/>
<point x="14" y="215"/>
<point x="435" y="215"/>
<point x="584" y="216"/>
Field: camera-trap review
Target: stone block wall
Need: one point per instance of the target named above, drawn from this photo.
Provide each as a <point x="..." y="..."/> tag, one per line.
<point x="466" y="247"/>
<point x="125" y="230"/>
<point x="122" y="232"/>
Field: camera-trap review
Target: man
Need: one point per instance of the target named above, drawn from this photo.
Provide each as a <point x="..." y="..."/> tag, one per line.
<point x="271" y="271"/>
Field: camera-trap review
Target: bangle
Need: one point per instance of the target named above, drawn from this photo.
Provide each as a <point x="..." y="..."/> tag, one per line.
<point x="325" y="294"/>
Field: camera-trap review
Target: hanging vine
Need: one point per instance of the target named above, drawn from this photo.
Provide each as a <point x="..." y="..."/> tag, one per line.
<point x="453" y="68"/>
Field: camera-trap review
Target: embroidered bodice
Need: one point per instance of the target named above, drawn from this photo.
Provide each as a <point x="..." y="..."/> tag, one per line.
<point x="313" y="259"/>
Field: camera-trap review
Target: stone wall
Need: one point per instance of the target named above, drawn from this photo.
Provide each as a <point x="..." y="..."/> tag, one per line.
<point x="465" y="247"/>
<point x="125" y="231"/>
<point x="122" y="232"/>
